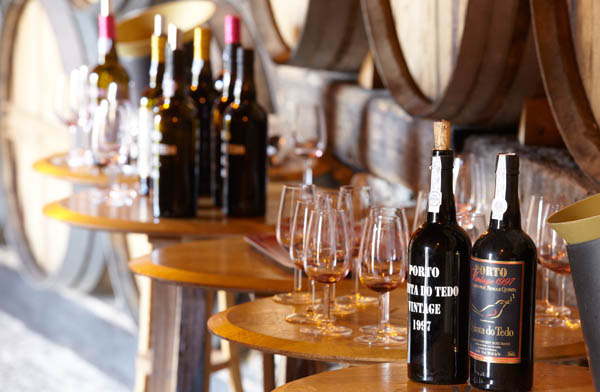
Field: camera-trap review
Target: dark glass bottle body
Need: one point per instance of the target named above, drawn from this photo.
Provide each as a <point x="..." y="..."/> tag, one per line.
<point x="149" y="102"/>
<point x="219" y="107"/>
<point x="505" y="241"/>
<point x="203" y="94"/>
<point x="174" y="145"/>
<point x="438" y="290"/>
<point x="245" y="141"/>
<point x="109" y="69"/>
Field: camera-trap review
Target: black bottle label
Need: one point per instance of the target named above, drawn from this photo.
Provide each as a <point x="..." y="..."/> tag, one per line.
<point x="496" y="310"/>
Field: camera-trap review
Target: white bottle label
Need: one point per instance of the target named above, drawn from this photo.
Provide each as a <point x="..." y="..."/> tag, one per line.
<point x="435" y="194"/>
<point x="499" y="205"/>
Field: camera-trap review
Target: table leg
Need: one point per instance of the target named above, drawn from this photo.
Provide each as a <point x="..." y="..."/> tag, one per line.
<point x="268" y="372"/>
<point x="172" y="347"/>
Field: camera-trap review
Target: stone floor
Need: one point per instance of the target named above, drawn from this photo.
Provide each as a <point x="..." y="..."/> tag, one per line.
<point x="55" y="340"/>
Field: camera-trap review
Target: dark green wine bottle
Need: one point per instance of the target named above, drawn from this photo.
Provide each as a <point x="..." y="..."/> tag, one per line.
<point x="149" y="102"/>
<point x="203" y="94"/>
<point x="174" y="140"/>
<point x="245" y="146"/>
<point x="109" y="69"/>
<point x="503" y="271"/>
<point x="232" y="42"/>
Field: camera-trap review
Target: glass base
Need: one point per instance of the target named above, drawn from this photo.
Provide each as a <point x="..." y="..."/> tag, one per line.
<point x="119" y="197"/>
<point x="380" y="340"/>
<point x="356" y="299"/>
<point x="308" y="317"/>
<point x="544" y="307"/>
<point x="337" y="309"/>
<point x="293" y="298"/>
<point x="328" y="329"/>
<point x="558" y="322"/>
<point x="390" y="329"/>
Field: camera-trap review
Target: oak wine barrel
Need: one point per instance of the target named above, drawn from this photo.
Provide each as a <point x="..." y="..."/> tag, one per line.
<point x="317" y="34"/>
<point x="566" y="46"/>
<point x="469" y="61"/>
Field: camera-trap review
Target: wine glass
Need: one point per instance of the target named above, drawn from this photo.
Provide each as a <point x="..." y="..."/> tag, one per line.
<point x="290" y="195"/>
<point x="309" y="136"/>
<point x="395" y="213"/>
<point x="533" y="227"/>
<point x="469" y="184"/>
<point x="357" y="202"/>
<point x="69" y="102"/>
<point x="297" y="245"/>
<point x="110" y="144"/>
<point x="420" y="210"/>
<point x="327" y="260"/>
<point x="553" y="255"/>
<point x="383" y="269"/>
<point x="474" y="223"/>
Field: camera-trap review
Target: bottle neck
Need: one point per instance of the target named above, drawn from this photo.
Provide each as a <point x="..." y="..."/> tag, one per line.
<point x="506" y="211"/>
<point x="174" y="80"/>
<point x="201" y="67"/>
<point x="441" y="207"/>
<point x="157" y="60"/>
<point x="107" y="51"/>
<point x="244" y="90"/>
<point x="229" y="69"/>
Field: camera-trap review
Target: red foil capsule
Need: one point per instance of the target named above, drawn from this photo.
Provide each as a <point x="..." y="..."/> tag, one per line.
<point x="106" y="26"/>
<point x="232" y="29"/>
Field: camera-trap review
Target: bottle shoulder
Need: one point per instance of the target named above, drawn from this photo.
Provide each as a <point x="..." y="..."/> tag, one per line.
<point x="250" y="109"/>
<point x="507" y="244"/>
<point x="177" y="107"/>
<point x="440" y="236"/>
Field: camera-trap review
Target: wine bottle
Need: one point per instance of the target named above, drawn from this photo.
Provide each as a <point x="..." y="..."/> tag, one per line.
<point x="232" y="42"/>
<point x="438" y="280"/>
<point x="174" y="139"/>
<point x="109" y="69"/>
<point x="503" y="270"/>
<point x="149" y="104"/>
<point x="203" y="94"/>
<point x="245" y="145"/>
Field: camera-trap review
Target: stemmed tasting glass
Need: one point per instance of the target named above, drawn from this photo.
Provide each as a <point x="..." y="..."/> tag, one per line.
<point x="357" y="201"/>
<point x="290" y="195"/>
<point x="70" y="106"/>
<point x="420" y="210"/>
<point x="474" y="223"/>
<point x="298" y="234"/>
<point x="383" y="268"/>
<point x="400" y="215"/>
<point x="533" y="227"/>
<point x="553" y="255"/>
<point x="309" y="136"/>
<point x="327" y="260"/>
<point x="111" y="143"/>
<point x="469" y="184"/>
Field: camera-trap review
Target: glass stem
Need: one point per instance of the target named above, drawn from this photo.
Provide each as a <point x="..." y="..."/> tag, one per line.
<point x="326" y="304"/>
<point x="313" y="298"/>
<point x="73" y="140"/>
<point x="356" y="280"/>
<point x="561" y="292"/>
<point x="307" y="176"/>
<point x="384" y="311"/>
<point x="297" y="280"/>
<point x="545" y="286"/>
<point x="112" y="172"/>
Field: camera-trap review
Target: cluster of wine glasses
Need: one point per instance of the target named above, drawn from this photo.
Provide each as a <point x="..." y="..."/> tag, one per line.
<point x="102" y="131"/>
<point x="330" y="233"/>
<point x="552" y="256"/>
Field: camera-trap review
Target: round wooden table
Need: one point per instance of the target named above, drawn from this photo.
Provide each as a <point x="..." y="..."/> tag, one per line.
<point x="260" y="325"/>
<point x="393" y="378"/>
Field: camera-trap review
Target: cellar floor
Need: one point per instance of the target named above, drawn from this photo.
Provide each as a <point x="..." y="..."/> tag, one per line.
<point x="58" y="340"/>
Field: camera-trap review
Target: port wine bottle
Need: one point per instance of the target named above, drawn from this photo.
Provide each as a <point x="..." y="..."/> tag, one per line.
<point x="149" y="102"/>
<point x="203" y="94"/>
<point x="503" y="270"/>
<point x="232" y="42"/>
<point x="109" y="69"/>
<point x="245" y="142"/>
<point x="174" y="139"/>
<point x="438" y="280"/>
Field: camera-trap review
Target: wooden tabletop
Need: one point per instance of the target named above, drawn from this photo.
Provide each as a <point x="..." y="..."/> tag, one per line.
<point x="56" y="166"/>
<point x="393" y="378"/>
<point x="84" y="209"/>
<point x="260" y="325"/>
<point x="226" y="263"/>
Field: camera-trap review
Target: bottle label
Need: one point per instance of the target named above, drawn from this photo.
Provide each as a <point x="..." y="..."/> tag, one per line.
<point x="496" y="310"/>
<point x="164" y="149"/>
<point x="499" y="204"/>
<point x="435" y="194"/>
<point x="236" y="149"/>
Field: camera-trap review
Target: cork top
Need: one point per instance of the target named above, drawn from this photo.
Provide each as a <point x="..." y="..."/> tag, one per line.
<point x="441" y="135"/>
